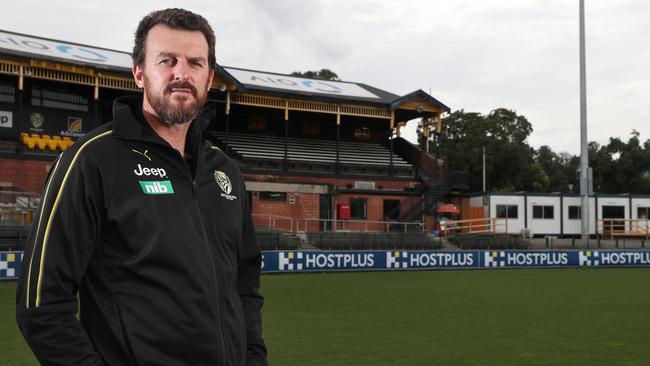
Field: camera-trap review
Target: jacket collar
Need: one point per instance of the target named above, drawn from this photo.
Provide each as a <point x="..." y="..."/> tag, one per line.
<point x="129" y="121"/>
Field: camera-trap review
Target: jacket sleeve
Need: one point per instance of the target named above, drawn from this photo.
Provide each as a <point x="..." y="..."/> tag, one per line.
<point x="248" y="282"/>
<point x="58" y="250"/>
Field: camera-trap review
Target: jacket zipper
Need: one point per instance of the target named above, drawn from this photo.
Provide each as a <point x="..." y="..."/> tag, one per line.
<point x="209" y="243"/>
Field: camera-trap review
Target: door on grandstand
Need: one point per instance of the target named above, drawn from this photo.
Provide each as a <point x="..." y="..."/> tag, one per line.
<point x="325" y="212"/>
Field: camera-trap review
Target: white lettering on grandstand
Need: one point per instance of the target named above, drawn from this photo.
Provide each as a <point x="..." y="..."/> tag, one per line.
<point x="267" y="80"/>
<point x="441" y="259"/>
<point x="44" y="47"/>
<point x="339" y="260"/>
<point x="624" y="258"/>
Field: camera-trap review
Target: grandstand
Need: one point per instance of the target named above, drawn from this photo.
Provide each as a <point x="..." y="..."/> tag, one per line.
<point x="318" y="156"/>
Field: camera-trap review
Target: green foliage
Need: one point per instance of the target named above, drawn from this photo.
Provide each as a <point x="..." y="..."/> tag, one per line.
<point x="512" y="165"/>
<point x="322" y="74"/>
<point x="503" y="133"/>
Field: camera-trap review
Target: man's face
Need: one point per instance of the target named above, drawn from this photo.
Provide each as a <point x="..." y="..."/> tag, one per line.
<point x="175" y="75"/>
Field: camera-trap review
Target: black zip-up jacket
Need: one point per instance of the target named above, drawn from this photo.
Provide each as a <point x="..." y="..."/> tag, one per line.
<point x="160" y="251"/>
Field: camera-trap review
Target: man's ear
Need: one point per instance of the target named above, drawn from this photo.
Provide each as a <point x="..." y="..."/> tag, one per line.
<point x="138" y="76"/>
<point x="210" y="77"/>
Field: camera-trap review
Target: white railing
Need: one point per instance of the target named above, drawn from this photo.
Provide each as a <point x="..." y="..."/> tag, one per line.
<point x="280" y="223"/>
<point x="310" y="225"/>
<point x="612" y="228"/>
<point x="19" y="200"/>
<point x="290" y="225"/>
<point x="476" y="226"/>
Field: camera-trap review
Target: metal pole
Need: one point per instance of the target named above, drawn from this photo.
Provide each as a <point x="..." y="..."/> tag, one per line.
<point x="584" y="158"/>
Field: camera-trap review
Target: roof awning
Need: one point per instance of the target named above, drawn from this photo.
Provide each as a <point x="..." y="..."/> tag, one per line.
<point x="448" y="208"/>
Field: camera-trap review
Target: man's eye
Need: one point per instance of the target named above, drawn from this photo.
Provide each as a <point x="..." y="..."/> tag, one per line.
<point x="166" y="61"/>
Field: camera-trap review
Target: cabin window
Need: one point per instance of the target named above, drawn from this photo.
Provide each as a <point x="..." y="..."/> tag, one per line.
<point x="643" y="213"/>
<point x="575" y="212"/>
<point x="543" y="212"/>
<point x="507" y="211"/>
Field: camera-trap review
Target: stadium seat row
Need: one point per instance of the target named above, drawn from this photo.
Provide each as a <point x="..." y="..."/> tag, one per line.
<point x="43" y="142"/>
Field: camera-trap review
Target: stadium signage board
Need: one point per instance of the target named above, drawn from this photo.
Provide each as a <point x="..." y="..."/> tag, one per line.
<point x="6" y="119"/>
<point x="381" y="260"/>
<point x="325" y="261"/>
<point x="296" y="84"/>
<point x="62" y="50"/>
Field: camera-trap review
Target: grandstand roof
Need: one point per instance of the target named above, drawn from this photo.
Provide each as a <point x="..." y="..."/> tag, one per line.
<point x="409" y="106"/>
<point x="289" y="85"/>
<point x="23" y="45"/>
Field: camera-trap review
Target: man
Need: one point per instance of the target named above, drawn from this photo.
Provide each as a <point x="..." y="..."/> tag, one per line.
<point x="149" y="225"/>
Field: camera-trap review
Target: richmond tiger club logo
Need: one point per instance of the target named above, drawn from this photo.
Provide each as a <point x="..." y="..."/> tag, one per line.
<point x="224" y="183"/>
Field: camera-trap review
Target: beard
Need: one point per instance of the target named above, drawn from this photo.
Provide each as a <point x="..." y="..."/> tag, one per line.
<point x="175" y="114"/>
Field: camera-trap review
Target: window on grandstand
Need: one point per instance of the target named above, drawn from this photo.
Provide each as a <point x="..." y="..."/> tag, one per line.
<point x="358" y="208"/>
<point x="58" y="99"/>
<point x="256" y="123"/>
<point x="362" y="133"/>
<point x="507" y="211"/>
<point x="543" y="212"/>
<point x="643" y="213"/>
<point x="273" y="196"/>
<point x="575" y="212"/>
<point x="311" y="129"/>
<point x="7" y="93"/>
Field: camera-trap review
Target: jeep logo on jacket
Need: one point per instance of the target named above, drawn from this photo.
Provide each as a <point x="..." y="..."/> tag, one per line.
<point x="167" y="269"/>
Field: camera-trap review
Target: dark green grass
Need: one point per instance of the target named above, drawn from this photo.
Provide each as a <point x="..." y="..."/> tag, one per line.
<point x="506" y="317"/>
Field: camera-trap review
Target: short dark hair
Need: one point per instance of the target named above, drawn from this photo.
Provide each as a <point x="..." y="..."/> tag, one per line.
<point x="174" y="18"/>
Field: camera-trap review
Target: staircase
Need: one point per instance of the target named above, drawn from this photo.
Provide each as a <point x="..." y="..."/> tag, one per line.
<point x="447" y="245"/>
<point x="426" y="205"/>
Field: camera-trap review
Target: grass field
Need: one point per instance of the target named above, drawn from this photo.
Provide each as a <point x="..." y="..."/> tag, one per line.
<point x="491" y="317"/>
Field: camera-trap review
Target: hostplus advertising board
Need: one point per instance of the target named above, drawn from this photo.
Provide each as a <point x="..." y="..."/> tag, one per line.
<point x="398" y="260"/>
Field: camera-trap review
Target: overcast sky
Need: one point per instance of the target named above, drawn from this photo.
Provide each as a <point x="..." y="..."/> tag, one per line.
<point x="475" y="55"/>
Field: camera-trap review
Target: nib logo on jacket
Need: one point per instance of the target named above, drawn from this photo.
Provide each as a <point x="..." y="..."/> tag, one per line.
<point x="154" y="186"/>
<point x="157" y="187"/>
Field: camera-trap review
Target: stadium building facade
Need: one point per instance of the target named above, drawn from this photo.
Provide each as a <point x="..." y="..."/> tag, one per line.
<point x="317" y="155"/>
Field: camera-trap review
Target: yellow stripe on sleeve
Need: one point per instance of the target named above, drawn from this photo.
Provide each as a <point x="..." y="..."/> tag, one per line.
<point x="53" y="211"/>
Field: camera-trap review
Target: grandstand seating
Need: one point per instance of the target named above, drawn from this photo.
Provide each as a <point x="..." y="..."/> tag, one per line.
<point x="45" y="143"/>
<point x="13" y="237"/>
<point x="269" y="239"/>
<point x="372" y="240"/>
<point x="488" y="241"/>
<point x="313" y="154"/>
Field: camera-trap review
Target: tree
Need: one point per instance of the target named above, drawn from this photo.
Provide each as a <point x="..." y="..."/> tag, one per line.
<point x="503" y="133"/>
<point x="322" y="74"/>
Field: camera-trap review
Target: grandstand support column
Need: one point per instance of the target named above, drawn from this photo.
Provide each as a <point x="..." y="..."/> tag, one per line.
<point x="285" y="162"/>
<point x="337" y="167"/>
<point x="227" y="116"/>
<point x="19" y="100"/>
<point x="96" y="121"/>
<point x="392" y="150"/>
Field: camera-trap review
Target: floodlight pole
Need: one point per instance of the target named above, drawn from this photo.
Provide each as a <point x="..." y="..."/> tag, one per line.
<point x="584" y="157"/>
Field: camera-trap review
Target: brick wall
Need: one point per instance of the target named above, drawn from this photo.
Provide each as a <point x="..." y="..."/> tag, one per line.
<point x="338" y="182"/>
<point x="301" y="207"/>
<point x="297" y="205"/>
<point x="23" y="175"/>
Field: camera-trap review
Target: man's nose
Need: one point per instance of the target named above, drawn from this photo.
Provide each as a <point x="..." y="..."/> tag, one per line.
<point x="181" y="70"/>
